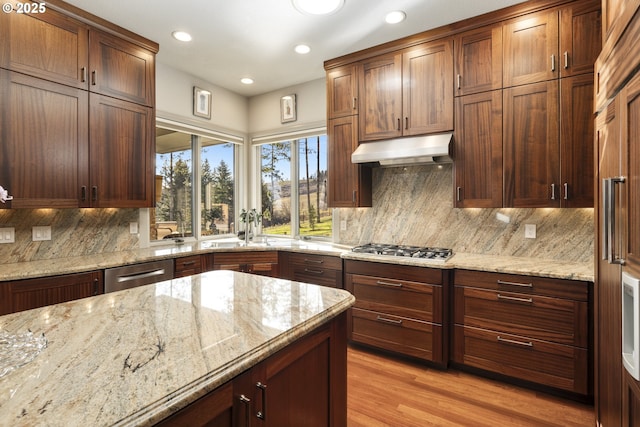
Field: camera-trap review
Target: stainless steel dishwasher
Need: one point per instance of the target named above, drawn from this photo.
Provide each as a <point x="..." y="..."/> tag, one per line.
<point x="130" y="276"/>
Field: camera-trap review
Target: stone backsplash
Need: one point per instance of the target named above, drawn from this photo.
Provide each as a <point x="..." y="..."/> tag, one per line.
<point x="414" y="206"/>
<point x="73" y="232"/>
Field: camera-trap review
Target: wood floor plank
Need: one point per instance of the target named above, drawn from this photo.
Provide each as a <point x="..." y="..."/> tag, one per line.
<point x="390" y="392"/>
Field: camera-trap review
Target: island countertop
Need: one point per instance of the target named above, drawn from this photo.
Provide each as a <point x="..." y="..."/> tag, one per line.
<point x="136" y="356"/>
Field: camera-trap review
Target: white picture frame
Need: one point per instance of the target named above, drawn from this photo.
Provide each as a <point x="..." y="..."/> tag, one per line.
<point x="288" y="108"/>
<point x="201" y="103"/>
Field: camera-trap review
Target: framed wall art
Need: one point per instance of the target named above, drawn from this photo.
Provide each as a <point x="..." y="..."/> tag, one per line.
<point x="201" y="103"/>
<point x="288" y="108"/>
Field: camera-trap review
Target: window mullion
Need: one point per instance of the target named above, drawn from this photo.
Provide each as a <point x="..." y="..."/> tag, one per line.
<point x="295" y="191"/>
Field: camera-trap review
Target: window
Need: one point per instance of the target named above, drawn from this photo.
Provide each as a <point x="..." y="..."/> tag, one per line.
<point x="187" y="210"/>
<point x="294" y="199"/>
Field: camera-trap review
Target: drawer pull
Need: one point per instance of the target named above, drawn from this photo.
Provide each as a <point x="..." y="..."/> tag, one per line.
<point x="392" y="321"/>
<point x="508" y="341"/>
<point x="524" y="285"/>
<point x="313" y="261"/>
<point x="306" y="270"/>
<point x="395" y="285"/>
<point x="186" y="263"/>
<point x="527" y="300"/>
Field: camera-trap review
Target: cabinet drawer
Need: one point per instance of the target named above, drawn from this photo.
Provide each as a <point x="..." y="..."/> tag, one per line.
<point x="571" y="289"/>
<point x="559" y="366"/>
<point x="311" y="260"/>
<point x="245" y="257"/>
<point x="188" y="266"/>
<point x="407" y="336"/>
<point x="318" y="276"/>
<point x="551" y="319"/>
<point x="397" y="297"/>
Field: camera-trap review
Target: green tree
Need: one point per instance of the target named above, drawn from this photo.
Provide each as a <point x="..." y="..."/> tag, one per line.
<point x="176" y="195"/>
<point x="272" y="154"/>
<point x="223" y="188"/>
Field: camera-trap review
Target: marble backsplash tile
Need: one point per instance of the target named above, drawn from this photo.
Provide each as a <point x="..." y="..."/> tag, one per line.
<point x="414" y="206"/>
<point x="74" y="232"/>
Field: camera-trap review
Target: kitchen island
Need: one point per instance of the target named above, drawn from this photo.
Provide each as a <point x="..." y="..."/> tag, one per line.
<point x="136" y="357"/>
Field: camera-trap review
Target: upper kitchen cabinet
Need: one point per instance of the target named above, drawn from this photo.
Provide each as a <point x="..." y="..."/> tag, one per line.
<point x="558" y="43"/>
<point x="77" y="104"/>
<point x="407" y="92"/>
<point x="121" y="69"/>
<point x="349" y="184"/>
<point x="531" y="146"/>
<point x="478" y="60"/>
<point x="47" y="45"/>
<point x="478" y="151"/>
<point x="616" y="15"/>
<point x="342" y="92"/>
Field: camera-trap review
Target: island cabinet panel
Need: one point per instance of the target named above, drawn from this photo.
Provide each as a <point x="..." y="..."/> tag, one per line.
<point x="528" y="328"/>
<point x="478" y="60"/>
<point x="26" y="294"/>
<point x="402" y="309"/>
<point x="325" y="270"/>
<point x="263" y="263"/>
<point x="304" y="384"/>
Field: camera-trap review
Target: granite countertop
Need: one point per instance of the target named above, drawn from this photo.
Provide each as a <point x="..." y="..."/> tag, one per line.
<point x="133" y="357"/>
<point x="493" y="263"/>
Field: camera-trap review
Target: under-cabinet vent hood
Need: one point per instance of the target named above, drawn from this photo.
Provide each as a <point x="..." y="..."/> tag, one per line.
<point x="405" y="151"/>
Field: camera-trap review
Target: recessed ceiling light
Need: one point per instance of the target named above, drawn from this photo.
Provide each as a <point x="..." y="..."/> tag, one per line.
<point x="395" y="17"/>
<point x="302" y="49"/>
<point x="318" y="7"/>
<point x="182" y="36"/>
<point x="246" y="81"/>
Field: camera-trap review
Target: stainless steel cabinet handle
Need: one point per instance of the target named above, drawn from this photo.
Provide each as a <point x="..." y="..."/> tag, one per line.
<point x="516" y="299"/>
<point x="83" y="71"/>
<point x="398" y="123"/>
<point x="142" y="275"/>
<point x="353" y="196"/>
<point x="94" y="73"/>
<point x="458" y="189"/>
<point x="525" y="285"/>
<point x="95" y="287"/>
<point x="394" y="285"/>
<point x="392" y="321"/>
<point x="319" y="272"/>
<point x="247" y="411"/>
<point x="553" y="191"/>
<point x="313" y="261"/>
<point x="355" y="102"/>
<point x="553" y="63"/>
<point x="459" y="80"/>
<point x="94" y="193"/>
<point x="83" y="193"/>
<point x="406" y="122"/>
<point x="508" y="341"/>
<point x="609" y="218"/>
<point x="566" y="60"/>
<point x="566" y="191"/>
<point x="263" y="390"/>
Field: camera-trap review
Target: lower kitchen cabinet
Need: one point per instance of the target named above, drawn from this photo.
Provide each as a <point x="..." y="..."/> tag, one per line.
<point x="402" y="309"/>
<point x="304" y="384"/>
<point x="19" y="295"/>
<point x="324" y="270"/>
<point x="529" y="328"/>
<point x="263" y="263"/>
<point x="188" y="266"/>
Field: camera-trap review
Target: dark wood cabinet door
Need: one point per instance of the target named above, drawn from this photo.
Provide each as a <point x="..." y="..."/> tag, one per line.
<point x="380" y="90"/>
<point x="122" y="154"/>
<point x="531" y="49"/>
<point x="478" y="60"/>
<point x="26" y="294"/>
<point x="121" y="69"/>
<point x="580" y="37"/>
<point x="214" y="409"/>
<point x="349" y="184"/>
<point x="427" y="79"/>
<point x="44" y="134"/>
<point x="478" y="151"/>
<point x="342" y="92"/>
<point x="607" y="291"/>
<point x="631" y="169"/>
<point x="576" y="141"/>
<point x="631" y="402"/>
<point x="47" y="45"/>
<point x="531" y="146"/>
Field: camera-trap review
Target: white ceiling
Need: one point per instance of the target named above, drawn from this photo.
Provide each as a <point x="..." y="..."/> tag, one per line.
<point x="255" y="38"/>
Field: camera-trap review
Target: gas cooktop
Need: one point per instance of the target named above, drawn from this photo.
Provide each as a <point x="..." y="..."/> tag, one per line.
<point x="441" y="254"/>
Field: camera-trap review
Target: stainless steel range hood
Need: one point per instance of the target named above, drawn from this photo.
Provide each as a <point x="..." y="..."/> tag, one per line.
<point x="405" y="151"/>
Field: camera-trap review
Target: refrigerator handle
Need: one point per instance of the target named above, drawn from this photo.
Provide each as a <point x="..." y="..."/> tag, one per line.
<point x="610" y="212"/>
<point x="604" y="238"/>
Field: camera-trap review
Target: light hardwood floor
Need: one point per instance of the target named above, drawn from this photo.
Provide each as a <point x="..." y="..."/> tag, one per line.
<point x="383" y="391"/>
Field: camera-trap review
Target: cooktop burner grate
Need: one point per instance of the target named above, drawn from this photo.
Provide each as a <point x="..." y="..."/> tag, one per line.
<point x="405" y="250"/>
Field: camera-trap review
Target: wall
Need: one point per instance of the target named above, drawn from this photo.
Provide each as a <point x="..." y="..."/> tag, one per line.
<point x="414" y="206"/>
